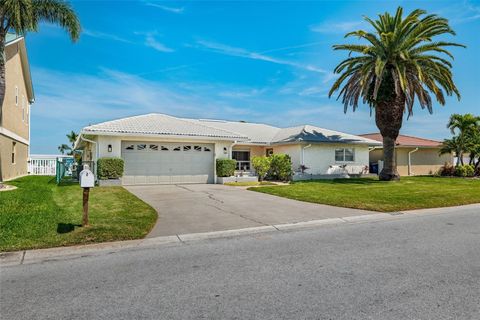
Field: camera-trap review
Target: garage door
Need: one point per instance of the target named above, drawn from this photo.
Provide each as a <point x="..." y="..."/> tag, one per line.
<point x="167" y="163"/>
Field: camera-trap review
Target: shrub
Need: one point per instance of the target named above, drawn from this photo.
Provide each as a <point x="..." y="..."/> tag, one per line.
<point x="225" y="167"/>
<point x="261" y="166"/>
<point x="280" y="167"/>
<point x="447" y="170"/>
<point x="109" y="168"/>
<point x="465" y="171"/>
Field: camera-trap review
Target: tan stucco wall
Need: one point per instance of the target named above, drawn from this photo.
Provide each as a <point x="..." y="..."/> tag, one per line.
<point x="12" y="114"/>
<point x="11" y="170"/>
<point x="424" y="161"/>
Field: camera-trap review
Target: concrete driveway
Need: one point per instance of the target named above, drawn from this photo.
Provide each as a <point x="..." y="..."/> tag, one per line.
<point x="198" y="208"/>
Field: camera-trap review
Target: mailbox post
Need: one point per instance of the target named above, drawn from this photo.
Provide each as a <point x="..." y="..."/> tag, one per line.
<point x="87" y="181"/>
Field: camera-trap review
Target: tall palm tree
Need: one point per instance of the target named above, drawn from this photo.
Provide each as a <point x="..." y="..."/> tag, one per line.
<point x="467" y="126"/>
<point x="63" y="147"/>
<point x="72" y="137"/>
<point x="400" y="62"/>
<point x="22" y="16"/>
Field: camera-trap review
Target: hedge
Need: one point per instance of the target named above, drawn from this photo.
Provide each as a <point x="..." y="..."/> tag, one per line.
<point x="226" y="167"/>
<point x="280" y="167"/>
<point x="110" y="168"/>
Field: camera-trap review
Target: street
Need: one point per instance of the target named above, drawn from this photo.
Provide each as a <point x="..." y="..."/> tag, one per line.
<point x="421" y="267"/>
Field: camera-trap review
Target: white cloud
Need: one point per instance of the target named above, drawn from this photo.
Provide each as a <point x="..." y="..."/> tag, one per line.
<point x="166" y="8"/>
<point x="105" y="36"/>
<point x="243" y="53"/>
<point x="336" y="27"/>
<point x="151" y="42"/>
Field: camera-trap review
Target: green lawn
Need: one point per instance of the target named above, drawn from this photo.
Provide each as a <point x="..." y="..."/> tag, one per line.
<point x="40" y="214"/>
<point x="250" y="183"/>
<point x="371" y="194"/>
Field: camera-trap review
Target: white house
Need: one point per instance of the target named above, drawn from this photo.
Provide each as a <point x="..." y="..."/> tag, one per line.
<point x="162" y="149"/>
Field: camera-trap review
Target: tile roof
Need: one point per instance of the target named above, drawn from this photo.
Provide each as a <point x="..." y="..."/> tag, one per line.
<point x="406" y="141"/>
<point x="246" y="133"/>
<point x="159" y="124"/>
<point x="310" y="133"/>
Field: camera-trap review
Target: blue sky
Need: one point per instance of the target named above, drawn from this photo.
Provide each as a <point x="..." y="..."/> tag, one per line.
<point x="265" y="62"/>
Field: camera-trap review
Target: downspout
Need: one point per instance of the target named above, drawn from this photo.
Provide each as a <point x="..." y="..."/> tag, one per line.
<point x="410" y="161"/>
<point x="303" y="153"/>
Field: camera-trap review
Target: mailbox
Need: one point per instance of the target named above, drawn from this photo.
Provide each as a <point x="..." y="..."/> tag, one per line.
<point x="87" y="179"/>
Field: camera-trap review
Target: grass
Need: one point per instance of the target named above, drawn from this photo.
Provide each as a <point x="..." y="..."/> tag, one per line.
<point x="371" y="194"/>
<point x="40" y="214"/>
<point x="250" y="183"/>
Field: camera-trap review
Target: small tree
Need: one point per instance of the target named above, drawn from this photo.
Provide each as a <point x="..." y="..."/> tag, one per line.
<point x="261" y="166"/>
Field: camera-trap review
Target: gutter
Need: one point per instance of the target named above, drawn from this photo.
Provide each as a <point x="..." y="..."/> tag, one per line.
<point x="410" y="161"/>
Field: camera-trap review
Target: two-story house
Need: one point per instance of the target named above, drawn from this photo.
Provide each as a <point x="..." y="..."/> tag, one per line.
<point x="15" y="113"/>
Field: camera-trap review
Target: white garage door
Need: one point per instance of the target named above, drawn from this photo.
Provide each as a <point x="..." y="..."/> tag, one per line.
<point x="167" y="163"/>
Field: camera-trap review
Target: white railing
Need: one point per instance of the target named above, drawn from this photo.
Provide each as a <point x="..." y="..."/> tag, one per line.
<point x="42" y="167"/>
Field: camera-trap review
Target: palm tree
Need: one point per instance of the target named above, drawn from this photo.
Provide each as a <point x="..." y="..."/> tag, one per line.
<point x="72" y="137"/>
<point x="22" y="16"/>
<point x="400" y="62"/>
<point x="63" y="147"/>
<point x="467" y="126"/>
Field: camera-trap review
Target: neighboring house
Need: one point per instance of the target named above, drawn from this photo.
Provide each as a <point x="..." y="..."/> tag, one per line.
<point x="161" y="149"/>
<point x="415" y="156"/>
<point x="15" y="113"/>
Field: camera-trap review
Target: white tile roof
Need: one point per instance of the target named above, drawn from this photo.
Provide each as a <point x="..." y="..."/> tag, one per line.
<point x="310" y="133"/>
<point x="160" y="124"/>
<point x="248" y="133"/>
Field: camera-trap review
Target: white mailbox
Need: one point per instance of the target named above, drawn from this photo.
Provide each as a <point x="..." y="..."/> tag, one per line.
<point x="87" y="179"/>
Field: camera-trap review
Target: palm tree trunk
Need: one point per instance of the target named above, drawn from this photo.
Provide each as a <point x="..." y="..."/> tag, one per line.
<point x="389" y="118"/>
<point x="2" y="73"/>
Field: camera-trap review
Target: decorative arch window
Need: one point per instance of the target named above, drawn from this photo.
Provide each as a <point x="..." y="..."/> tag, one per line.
<point x="141" y="146"/>
<point x="197" y="148"/>
<point x="163" y="148"/>
<point x="130" y="147"/>
<point x="154" y="147"/>
<point x="187" y="148"/>
<point x="177" y="148"/>
<point x="206" y="149"/>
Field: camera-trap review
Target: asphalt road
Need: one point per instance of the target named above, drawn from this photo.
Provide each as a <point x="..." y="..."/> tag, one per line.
<point x="425" y="267"/>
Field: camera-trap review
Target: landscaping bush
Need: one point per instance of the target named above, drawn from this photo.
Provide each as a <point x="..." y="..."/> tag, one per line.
<point x="280" y="167"/>
<point x="465" y="171"/>
<point x="261" y="166"/>
<point x="109" y="168"/>
<point x="447" y="170"/>
<point x="225" y="167"/>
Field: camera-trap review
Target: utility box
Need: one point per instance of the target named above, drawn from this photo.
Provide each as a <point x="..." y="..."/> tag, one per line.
<point x="87" y="179"/>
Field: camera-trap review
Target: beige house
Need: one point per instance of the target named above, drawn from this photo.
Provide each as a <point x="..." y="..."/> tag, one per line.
<point x="15" y="112"/>
<point x="415" y="156"/>
<point x="161" y="149"/>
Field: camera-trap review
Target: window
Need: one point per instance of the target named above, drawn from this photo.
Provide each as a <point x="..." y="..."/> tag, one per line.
<point x="141" y="146"/>
<point x="345" y="155"/>
<point x="154" y="147"/>
<point x="14" y="150"/>
<point x="130" y="147"/>
<point x="206" y="149"/>
<point x="187" y="148"/>
<point x="163" y="148"/>
<point x="16" y="95"/>
<point x="23" y="108"/>
<point x="243" y="159"/>
<point x="177" y="149"/>
<point x="197" y="148"/>
<point x="268" y="152"/>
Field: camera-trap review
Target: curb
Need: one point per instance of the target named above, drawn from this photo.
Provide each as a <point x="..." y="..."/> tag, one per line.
<point x="51" y="254"/>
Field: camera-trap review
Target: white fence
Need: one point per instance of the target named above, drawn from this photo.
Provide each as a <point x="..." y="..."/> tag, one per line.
<point x="43" y="165"/>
